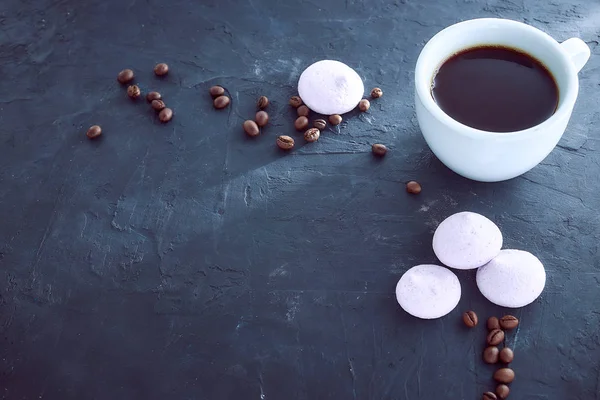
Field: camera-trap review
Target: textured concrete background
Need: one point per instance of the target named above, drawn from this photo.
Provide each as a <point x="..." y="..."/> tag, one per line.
<point x="185" y="261"/>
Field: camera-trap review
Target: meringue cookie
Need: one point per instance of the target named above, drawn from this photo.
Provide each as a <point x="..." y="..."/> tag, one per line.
<point x="428" y="291"/>
<point x="514" y="278"/>
<point x="330" y="87"/>
<point x="466" y="240"/>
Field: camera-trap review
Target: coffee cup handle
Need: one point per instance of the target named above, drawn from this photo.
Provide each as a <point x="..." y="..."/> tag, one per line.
<point x="578" y="52"/>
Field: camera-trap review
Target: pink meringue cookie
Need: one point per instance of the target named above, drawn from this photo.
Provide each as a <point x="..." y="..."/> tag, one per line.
<point x="466" y="240"/>
<point x="514" y="278"/>
<point x="428" y="291"/>
<point x="330" y="87"/>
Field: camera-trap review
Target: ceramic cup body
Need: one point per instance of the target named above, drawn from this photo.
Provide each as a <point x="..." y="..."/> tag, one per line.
<point x="492" y="156"/>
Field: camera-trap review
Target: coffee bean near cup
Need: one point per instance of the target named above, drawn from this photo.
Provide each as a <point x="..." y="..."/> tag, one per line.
<point x="493" y="96"/>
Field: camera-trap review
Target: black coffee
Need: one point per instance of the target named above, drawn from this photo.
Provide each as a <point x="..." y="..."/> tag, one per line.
<point x="495" y="89"/>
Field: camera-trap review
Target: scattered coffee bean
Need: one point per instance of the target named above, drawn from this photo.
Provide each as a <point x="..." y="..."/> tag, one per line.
<point x="312" y="135"/>
<point x="502" y="391"/>
<point x="296" y="101"/>
<point x="320" y="124"/>
<point x="165" y="115"/>
<point x="134" y="91"/>
<point x="413" y="187"/>
<point x="125" y="76"/>
<point x="301" y="123"/>
<point x="158" y="105"/>
<point x="490" y="396"/>
<point x="379" y="149"/>
<point x="251" y="128"/>
<point x="509" y="322"/>
<point x="161" y="69"/>
<point x="504" y="375"/>
<point x="364" y="105"/>
<point x="493" y="323"/>
<point x="153" y="96"/>
<point x="262" y="118"/>
<point x="376" y="93"/>
<point x="335" y="119"/>
<point x="262" y="102"/>
<point x="490" y="355"/>
<point x="507" y="355"/>
<point x="285" y="142"/>
<point x="221" y="102"/>
<point x="303" y="111"/>
<point x="216" y="91"/>
<point x="469" y="317"/>
<point x="94" y="131"/>
<point x="495" y="337"/>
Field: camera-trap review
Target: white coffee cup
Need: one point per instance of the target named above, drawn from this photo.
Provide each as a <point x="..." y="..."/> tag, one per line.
<point x="492" y="156"/>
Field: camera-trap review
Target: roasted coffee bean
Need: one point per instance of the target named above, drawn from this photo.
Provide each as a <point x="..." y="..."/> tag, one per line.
<point x="504" y="375"/>
<point x="490" y="355"/>
<point x="261" y="118"/>
<point x="303" y="111"/>
<point x="312" y="135"/>
<point x="221" y="102"/>
<point x="125" y="76"/>
<point x="493" y="323"/>
<point x="509" y="322"/>
<point x="158" y="105"/>
<point x="335" y="119"/>
<point x="320" y="124"/>
<point x="134" y="91"/>
<point x="161" y="69"/>
<point x="413" y="187"/>
<point x="262" y="102"/>
<point x="495" y="337"/>
<point x="489" y="396"/>
<point x="285" y="142"/>
<point x="364" y="105"/>
<point x="301" y="123"/>
<point x="379" y="149"/>
<point x="165" y="115"/>
<point x="507" y="355"/>
<point x="376" y="93"/>
<point x="94" y="131"/>
<point x="153" y="96"/>
<point x="502" y="391"/>
<point x="251" y="128"/>
<point x="216" y="91"/>
<point x="296" y="101"/>
<point x="470" y="319"/>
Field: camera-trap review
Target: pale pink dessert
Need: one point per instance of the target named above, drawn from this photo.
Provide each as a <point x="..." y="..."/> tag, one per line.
<point x="466" y="240"/>
<point x="330" y="87"/>
<point x="514" y="278"/>
<point x="428" y="291"/>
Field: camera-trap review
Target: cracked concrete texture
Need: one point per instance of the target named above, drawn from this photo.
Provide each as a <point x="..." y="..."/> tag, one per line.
<point x="187" y="261"/>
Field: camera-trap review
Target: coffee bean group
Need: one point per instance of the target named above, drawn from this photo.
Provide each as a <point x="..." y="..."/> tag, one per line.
<point x="127" y="77"/>
<point x="154" y="98"/>
<point x="492" y="355"/>
<point x="261" y="119"/>
<point x="302" y="122"/>
<point x="220" y="99"/>
<point x="312" y="135"/>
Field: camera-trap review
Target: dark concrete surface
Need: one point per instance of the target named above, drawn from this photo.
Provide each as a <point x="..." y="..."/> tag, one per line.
<point x="185" y="261"/>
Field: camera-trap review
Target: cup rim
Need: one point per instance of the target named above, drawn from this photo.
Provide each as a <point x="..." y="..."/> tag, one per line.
<point x="423" y="83"/>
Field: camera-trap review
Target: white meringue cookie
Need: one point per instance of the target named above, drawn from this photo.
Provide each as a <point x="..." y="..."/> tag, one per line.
<point x="428" y="291"/>
<point x="466" y="240"/>
<point x="330" y="87"/>
<point x="514" y="278"/>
